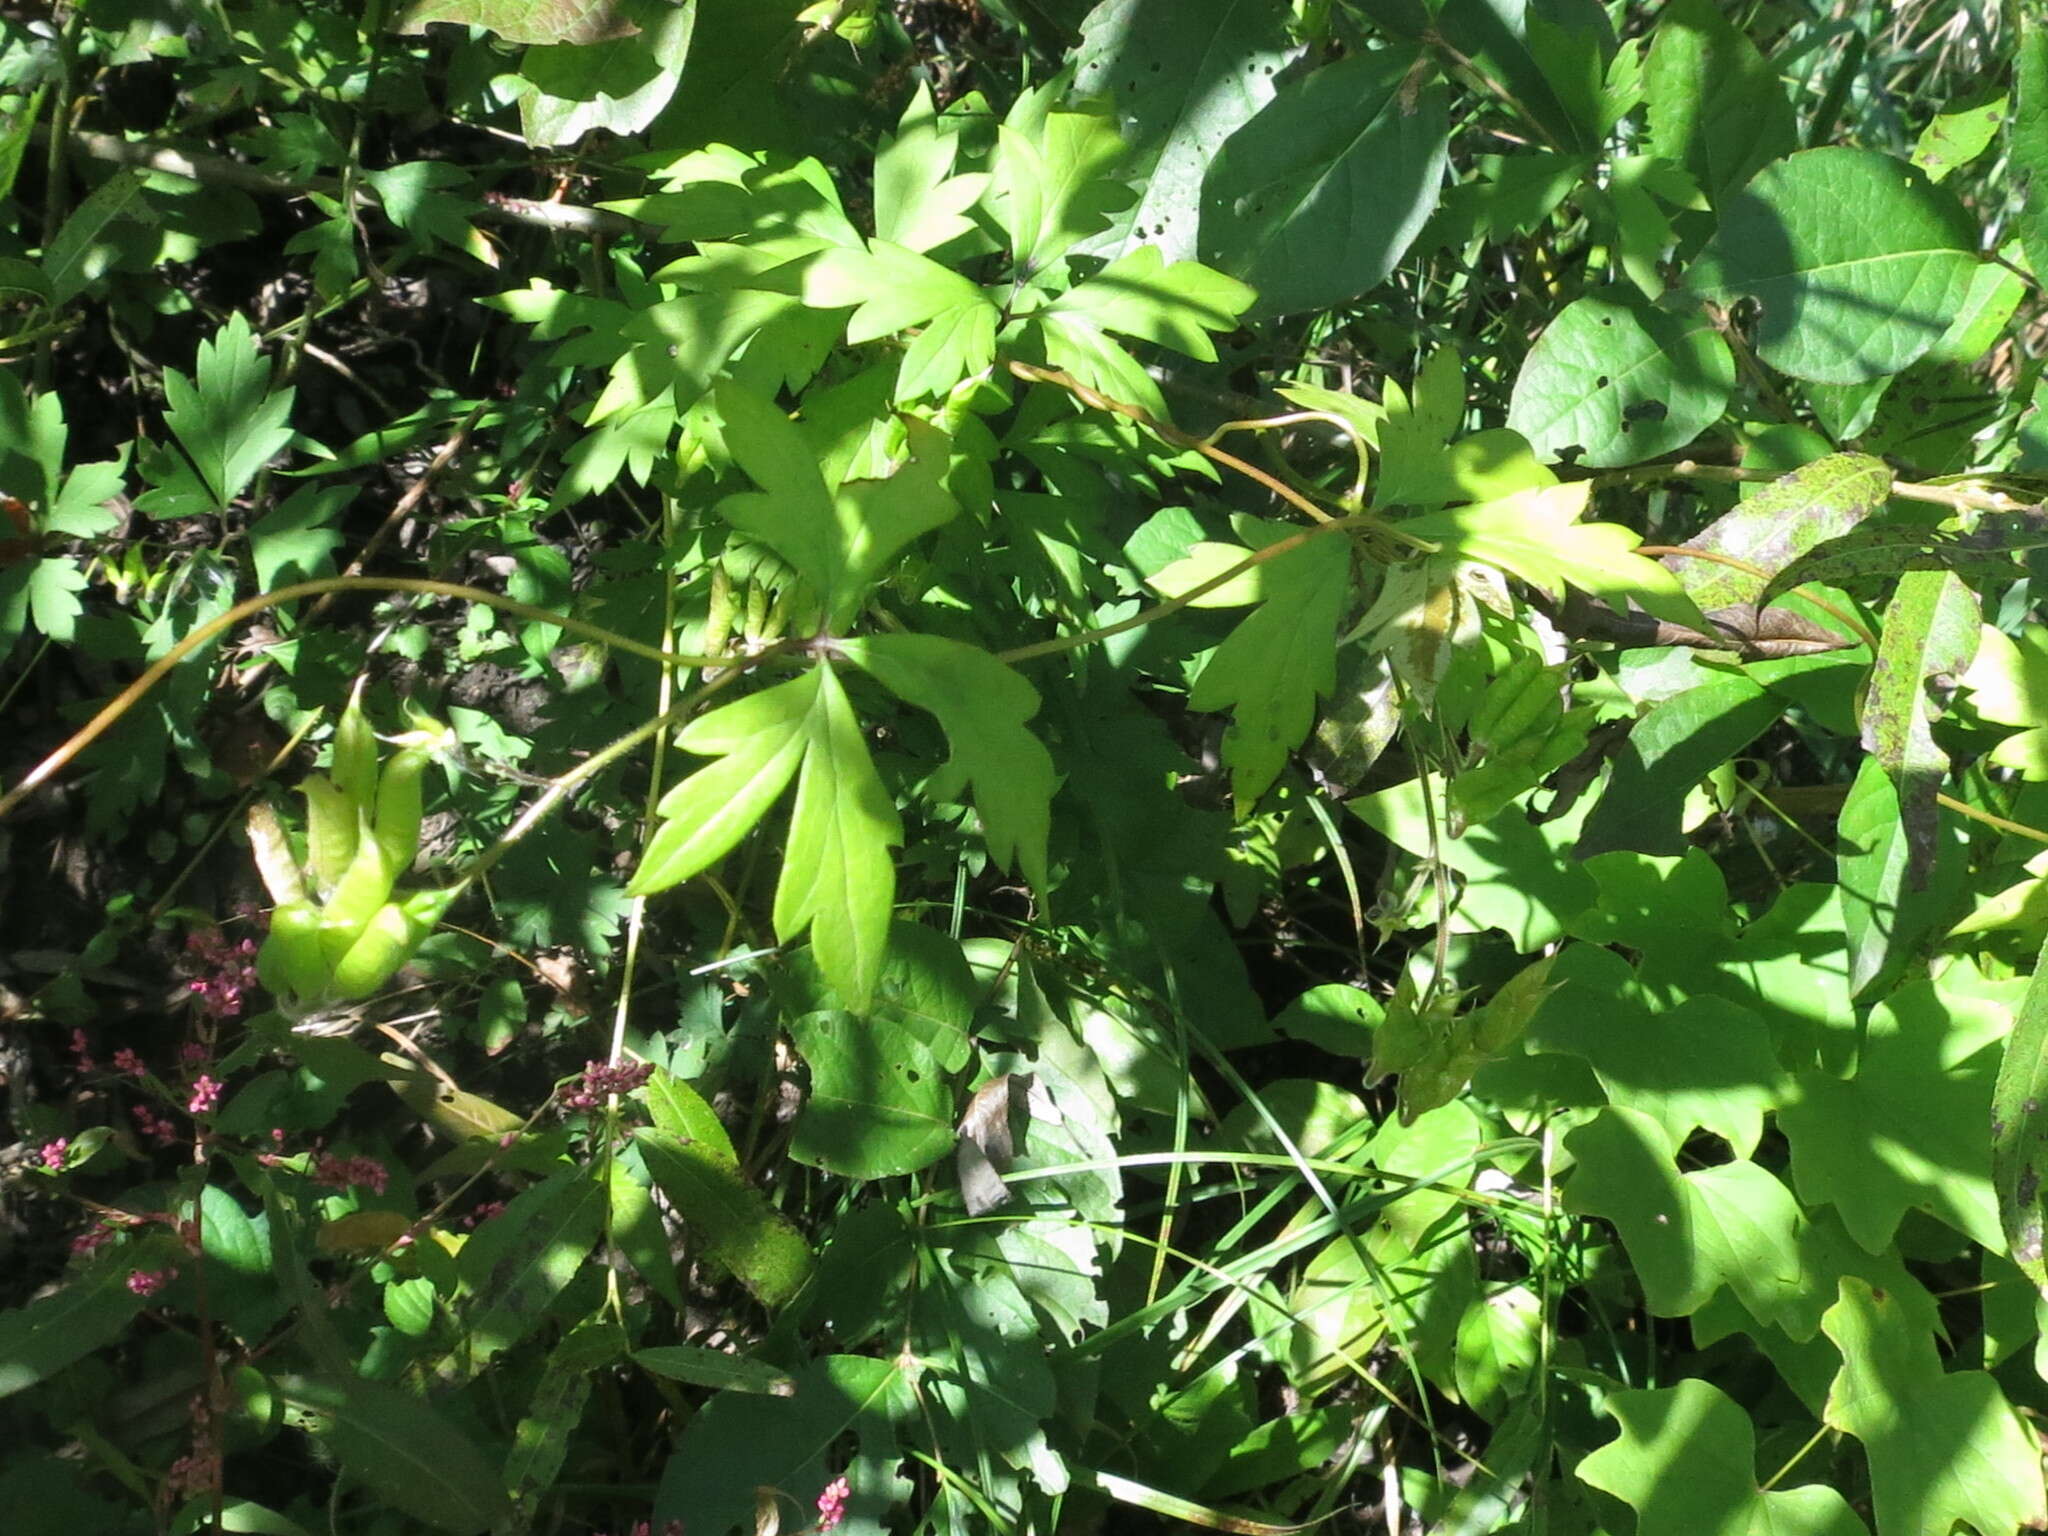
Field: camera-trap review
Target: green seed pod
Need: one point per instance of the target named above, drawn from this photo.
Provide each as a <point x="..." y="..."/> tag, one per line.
<point x="291" y="962"/>
<point x="354" y="769"/>
<point x="365" y="887"/>
<point x="398" y="806"/>
<point x="331" y="829"/>
<point x="425" y="909"/>
<point x="717" y="634"/>
<point x="385" y="944"/>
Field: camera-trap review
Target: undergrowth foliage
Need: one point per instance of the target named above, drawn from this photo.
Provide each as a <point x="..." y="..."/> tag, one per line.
<point x="1023" y="768"/>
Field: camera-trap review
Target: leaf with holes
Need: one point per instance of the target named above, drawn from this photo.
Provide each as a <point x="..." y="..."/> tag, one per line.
<point x="1780" y="523"/>
<point x="1930" y="636"/>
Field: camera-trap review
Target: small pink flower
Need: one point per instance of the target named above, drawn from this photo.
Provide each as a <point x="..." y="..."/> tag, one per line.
<point x="832" y="1503"/>
<point x="205" y="1096"/>
<point x="157" y="1128"/>
<point x="90" y="1241"/>
<point x="128" y="1063"/>
<point x="53" y="1153"/>
<point x="147" y="1282"/>
<point x="483" y="1213"/>
<point x="600" y="1081"/>
<point x="81" y="1052"/>
<point x="347" y="1172"/>
<point x="193" y="1054"/>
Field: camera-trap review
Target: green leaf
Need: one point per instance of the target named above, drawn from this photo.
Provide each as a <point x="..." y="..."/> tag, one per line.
<point x="1551" y="60"/>
<point x="681" y="1111"/>
<point x="839" y="541"/>
<point x="982" y="705"/>
<point x="889" y="288"/>
<point x="53" y="605"/>
<point x="1620" y="381"/>
<point x="1686" y="1463"/>
<point x="1884" y="912"/>
<point x="420" y="198"/>
<point x="1316" y="199"/>
<point x="1867" y="555"/>
<point x="1687" y="1234"/>
<point x="403" y="1451"/>
<point x="1911" y="1129"/>
<point x="919" y="202"/>
<point x="1959" y="135"/>
<point x="1272" y="668"/>
<point x="2029" y="139"/>
<point x="1943" y="1447"/>
<point x="1930" y="636"/>
<point x="88" y="246"/>
<point x="1181" y="81"/>
<point x="879" y="1104"/>
<point x="1701" y="1063"/>
<point x="1675" y="745"/>
<point x="1052" y="184"/>
<point x="547" y="1429"/>
<point x="718" y="1369"/>
<point x="1857" y="260"/>
<point x="521" y="21"/>
<point x="40" y="1339"/>
<point x="731" y="1219"/>
<point x="292" y="542"/>
<point x="1716" y="105"/>
<point x="837" y="877"/>
<point x="517" y="1264"/>
<point x="1336" y="1016"/>
<point x="1536" y="535"/>
<point x="638" y="1232"/>
<point x="761" y="741"/>
<point x="226" y="419"/>
<point x="1139" y="295"/>
<point x="1780" y="523"/>
<point x="2019" y="1128"/>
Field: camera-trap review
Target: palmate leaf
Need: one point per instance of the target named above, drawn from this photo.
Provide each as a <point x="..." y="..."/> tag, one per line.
<point x="1535" y="535"/>
<point x="839" y="540"/>
<point x="1140" y="295"/>
<point x="982" y="704"/>
<point x="837" y="877"/>
<point x="1051" y="186"/>
<point x="1686" y="1462"/>
<point x="226" y="418"/>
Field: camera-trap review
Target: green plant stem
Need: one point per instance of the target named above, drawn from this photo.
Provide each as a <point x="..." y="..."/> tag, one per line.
<point x="155" y="673"/>
<point x="1964" y="808"/>
<point x="1963" y="497"/>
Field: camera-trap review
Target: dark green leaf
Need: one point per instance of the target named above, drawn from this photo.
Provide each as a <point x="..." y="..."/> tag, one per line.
<point x="1668" y="752"/>
<point x="1316" y="199"/>
<point x="404" y="1452"/>
<point x="1716" y="105"/>
<point x="2019" y="1129"/>
<point x="1930" y="635"/>
<point x="518" y="1263"/>
<point x="731" y="1219"/>
<point x="879" y="1104"/>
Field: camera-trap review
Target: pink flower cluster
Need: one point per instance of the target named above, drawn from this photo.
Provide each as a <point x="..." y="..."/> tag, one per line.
<point x="348" y="1172"/>
<point x="228" y="971"/>
<point x="599" y="1082"/>
<point x="128" y="1064"/>
<point x="482" y="1214"/>
<point x="147" y="1282"/>
<point x="53" y="1153"/>
<point x="205" y="1096"/>
<point x="832" y="1503"/>
<point x="153" y="1127"/>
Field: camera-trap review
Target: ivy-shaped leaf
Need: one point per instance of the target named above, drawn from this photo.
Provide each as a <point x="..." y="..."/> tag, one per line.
<point x="1944" y="1447"/>
<point x="1283" y="657"/>
<point x="1687" y="1234"/>
<point x="982" y="704"/>
<point x="840" y="541"/>
<point x="1686" y="1463"/>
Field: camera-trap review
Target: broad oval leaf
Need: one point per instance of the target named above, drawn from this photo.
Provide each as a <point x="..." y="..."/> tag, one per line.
<point x="1857" y="261"/>
<point x="404" y="1451"/>
<point x="1620" y="381"/>
<point x="732" y="1219"/>
<point x="879" y="1104"/>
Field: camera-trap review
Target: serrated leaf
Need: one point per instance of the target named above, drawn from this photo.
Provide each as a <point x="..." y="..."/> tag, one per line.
<point x="408" y="1453"/>
<point x="1929" y="638"/>
<point x="1317" y="198"/>
<point x="292" y="542"/>
<point x="2008" y="680"/>
<point x="1620" y="381"/>
<point x="761" y="741"/>
<point x="1943" y="1447"/>
<point x="1052" y="184"/>
<point x="1686" y="1463"/>
<point x="53" y="605"/>
<point x="1176" y="306"/>
<point x="1280" y="659"/>
<point x="982" y="705"/>
<point x="1857" y="260"/>
<point x="1536" y="535"/>
<point x="840" y="541"/>
<point x="1779" y="524"/>
<point x="731" y="1219"/>
<point x="226" y="418"/>
<point x="888" y="287"/>
<point x="919" y="202"/>
<point x="1687" y="1234"/>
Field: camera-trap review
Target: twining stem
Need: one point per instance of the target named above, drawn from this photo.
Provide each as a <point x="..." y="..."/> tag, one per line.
<point x="1964" y="808"/>
<point x="155" y="673"/>
<point x="1959" y="498"/>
